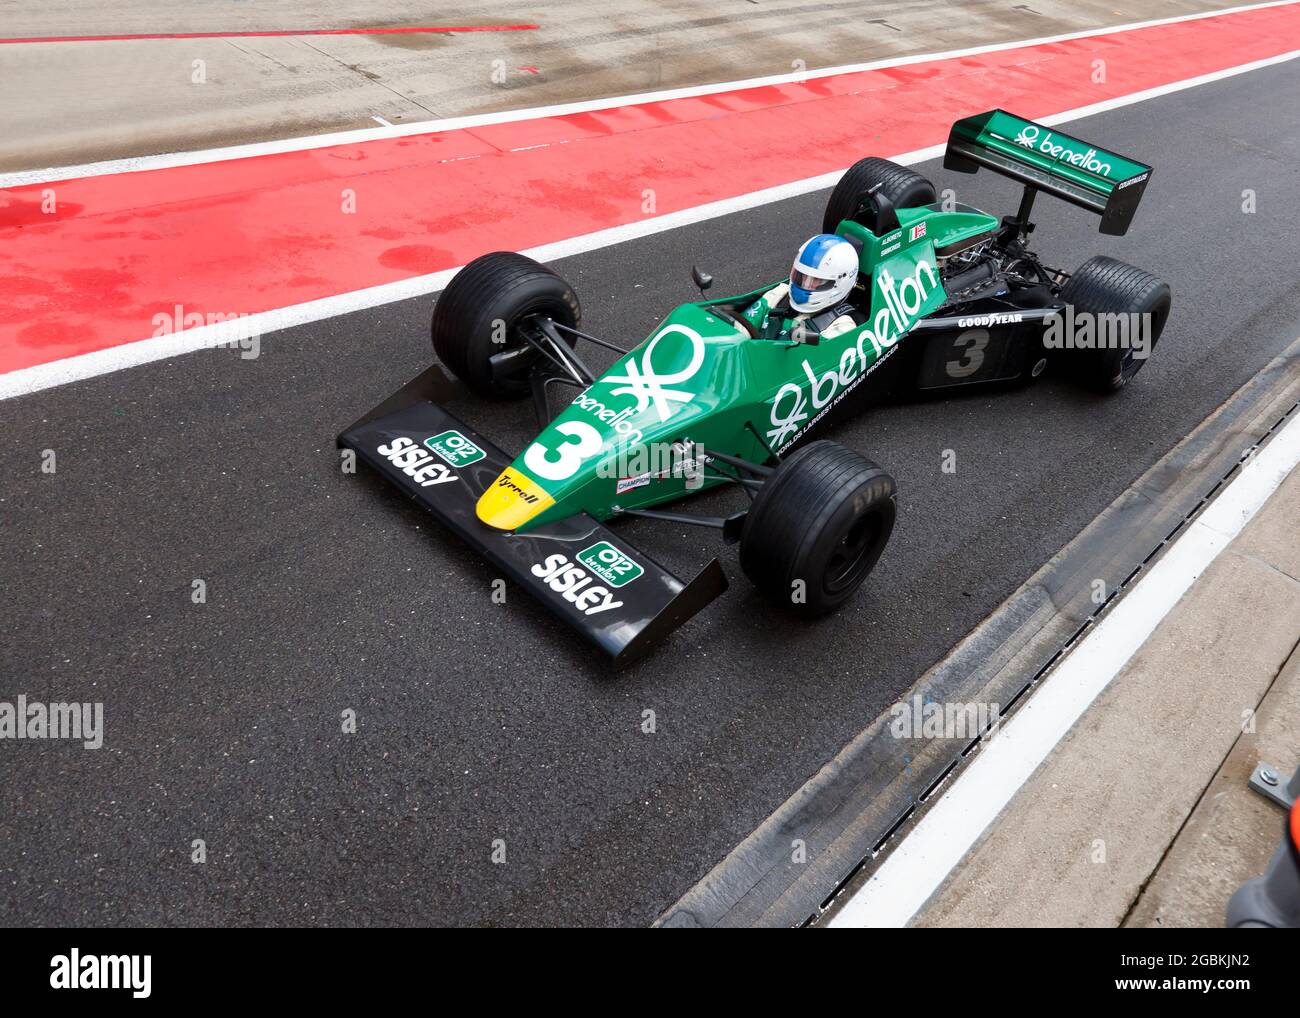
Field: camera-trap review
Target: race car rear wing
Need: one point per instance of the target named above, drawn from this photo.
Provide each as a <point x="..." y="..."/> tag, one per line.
<point x="1046" y="160"/>
<point x="612" y="593"/>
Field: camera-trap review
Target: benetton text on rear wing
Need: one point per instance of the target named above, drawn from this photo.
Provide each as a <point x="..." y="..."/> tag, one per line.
<point x="1043" y="158"/>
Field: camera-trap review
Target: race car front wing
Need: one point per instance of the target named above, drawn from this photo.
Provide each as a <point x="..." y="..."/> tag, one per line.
<point x="616" y="596"/>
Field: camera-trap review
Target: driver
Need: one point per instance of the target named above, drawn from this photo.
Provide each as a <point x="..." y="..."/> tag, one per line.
<point x="815" y="300"/>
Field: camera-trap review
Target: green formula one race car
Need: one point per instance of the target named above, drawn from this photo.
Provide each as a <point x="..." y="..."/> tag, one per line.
<point x="899" y="295"/>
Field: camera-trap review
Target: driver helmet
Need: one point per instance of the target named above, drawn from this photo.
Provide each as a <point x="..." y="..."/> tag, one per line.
<point x="824" y="272"/>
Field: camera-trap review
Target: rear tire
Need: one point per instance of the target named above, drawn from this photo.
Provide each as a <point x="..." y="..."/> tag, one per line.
<point x="823" y="518"/>
<point x="480" y="314"/>
<point x="1105" y="285"/>
<point x="904" y="187"/>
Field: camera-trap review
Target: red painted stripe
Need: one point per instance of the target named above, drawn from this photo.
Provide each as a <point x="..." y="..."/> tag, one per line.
<point x="263" y="35"/>
<point x="254" y="234"/>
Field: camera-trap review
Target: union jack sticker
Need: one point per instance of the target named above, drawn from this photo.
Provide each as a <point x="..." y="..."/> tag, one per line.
<point x="917" y="232"/>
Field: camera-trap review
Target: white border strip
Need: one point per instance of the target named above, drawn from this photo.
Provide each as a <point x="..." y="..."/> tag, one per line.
<point x="144" y="351"/>
<point x="923" y="860"/>
<point x="137" y="164"/>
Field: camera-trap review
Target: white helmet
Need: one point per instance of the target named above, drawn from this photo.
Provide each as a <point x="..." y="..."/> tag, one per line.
<point x="824" y="272"/>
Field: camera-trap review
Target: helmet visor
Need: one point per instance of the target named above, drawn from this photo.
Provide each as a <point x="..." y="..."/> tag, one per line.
<point x="807" y="281"/>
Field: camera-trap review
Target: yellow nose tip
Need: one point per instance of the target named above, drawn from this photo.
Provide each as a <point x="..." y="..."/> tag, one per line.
<point x="511" y="501"/>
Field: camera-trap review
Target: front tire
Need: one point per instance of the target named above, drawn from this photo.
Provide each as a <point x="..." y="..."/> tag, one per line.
<point x="905" y="188"/>
<point x="1107" y="286"/>
<point x="817" y="528"/>
<point x="481" y="312"/>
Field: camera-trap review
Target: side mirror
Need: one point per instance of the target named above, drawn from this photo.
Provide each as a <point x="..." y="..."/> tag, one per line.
<point x="702" y="279"/>
<point x="886" y="217"/>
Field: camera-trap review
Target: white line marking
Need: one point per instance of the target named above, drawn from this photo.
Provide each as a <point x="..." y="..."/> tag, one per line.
<point x="136" y="164"/>
<point x="925" y="857"/>
<point x="380" y="120"/>
<point x="144" y="351"/>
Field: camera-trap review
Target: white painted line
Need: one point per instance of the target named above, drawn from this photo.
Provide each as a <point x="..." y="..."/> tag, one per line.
<point x="925" y="857"/>
<point x="136" y="164"/>
<point x="380" y="120"/>
<point x="144" y="351"/>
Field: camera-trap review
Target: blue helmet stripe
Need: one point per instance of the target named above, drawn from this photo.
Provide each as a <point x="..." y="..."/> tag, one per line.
<point x="812" y="253"/>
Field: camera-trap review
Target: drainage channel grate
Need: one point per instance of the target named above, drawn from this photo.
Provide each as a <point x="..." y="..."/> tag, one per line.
<point x="1012" y="705"/>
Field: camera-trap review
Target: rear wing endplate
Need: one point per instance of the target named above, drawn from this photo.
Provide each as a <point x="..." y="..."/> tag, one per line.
<point x="625" y="611"/>
<point x="1040" y="157"/>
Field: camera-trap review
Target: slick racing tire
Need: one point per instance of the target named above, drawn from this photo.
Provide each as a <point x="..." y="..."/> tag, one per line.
<point x="1107" y="286"/>
<point x="905" y="188"/>
<point x="481" y="314"/>
<point x="817" y="527"/>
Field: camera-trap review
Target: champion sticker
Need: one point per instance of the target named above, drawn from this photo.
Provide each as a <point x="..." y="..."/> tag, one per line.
<point x="629" y="483"/>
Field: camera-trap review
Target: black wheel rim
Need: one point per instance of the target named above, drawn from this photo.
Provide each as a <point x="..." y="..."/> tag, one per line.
<point x="852" y="554"/>
<point x="516" y="343"/>
<point x="1131" y="364"/>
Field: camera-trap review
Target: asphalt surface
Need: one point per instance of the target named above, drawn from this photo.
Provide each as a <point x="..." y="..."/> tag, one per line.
<point x="478" y="721"/>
